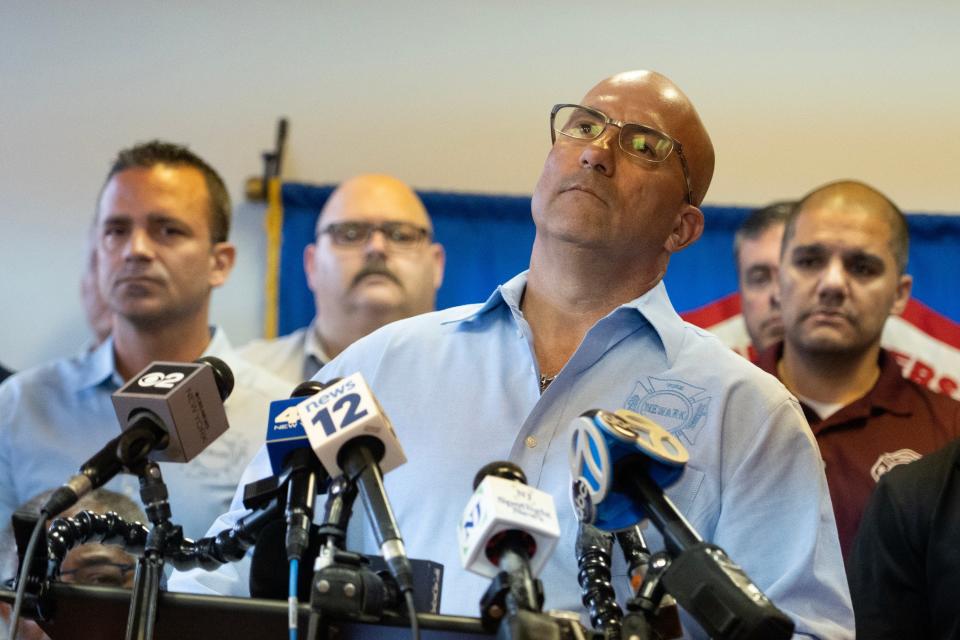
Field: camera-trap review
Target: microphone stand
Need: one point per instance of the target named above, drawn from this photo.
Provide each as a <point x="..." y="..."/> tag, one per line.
<point x="342" y="584"/>
<point x="141" y="620"/>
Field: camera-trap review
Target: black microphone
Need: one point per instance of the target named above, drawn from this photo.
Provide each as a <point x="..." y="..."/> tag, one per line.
<point x="351" y="434"/>
<point x="295" y="465"/>
<point x="169" y="411"/>
<point x="621" y="462"/>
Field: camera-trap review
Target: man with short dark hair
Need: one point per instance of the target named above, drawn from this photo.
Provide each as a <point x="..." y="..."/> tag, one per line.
<point x="842" y="274"/>
<point x="590" y="326"/>
<point x="373" y="262"/>
<point x="161" y="224"/>
<point x="756" y="253"/>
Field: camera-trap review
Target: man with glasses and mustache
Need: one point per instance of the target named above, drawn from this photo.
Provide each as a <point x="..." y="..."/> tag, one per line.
<point x="842" y="274"/>
<point x="590" y="326"/>
<point x="373" y="262"/>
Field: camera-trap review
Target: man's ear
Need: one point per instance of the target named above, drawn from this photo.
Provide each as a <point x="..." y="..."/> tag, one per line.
<point x="308" y="254"/>
<point x="904" y="286"/>
<point x="222" y="257"/>
<point x="686" y="230"/>
<point x="438" y="258"/>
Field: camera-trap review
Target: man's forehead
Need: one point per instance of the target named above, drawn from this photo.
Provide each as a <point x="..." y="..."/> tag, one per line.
<point x="374" y="206"/>
<point x="640" y="98"/>
<point x="156" y="188"/>
<point x="762" y="247"/>
<point x="850" y="226"/>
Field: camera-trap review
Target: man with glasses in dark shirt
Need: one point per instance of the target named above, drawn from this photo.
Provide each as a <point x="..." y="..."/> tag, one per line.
<point x="373" y="262"/>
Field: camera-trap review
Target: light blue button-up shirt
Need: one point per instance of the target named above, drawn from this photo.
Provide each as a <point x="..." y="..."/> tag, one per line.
<point x="461" y="388"/>
<point x="55" y="416"/>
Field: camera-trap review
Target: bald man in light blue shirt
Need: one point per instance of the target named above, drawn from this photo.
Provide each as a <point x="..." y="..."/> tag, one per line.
<point x="590" y="326"/>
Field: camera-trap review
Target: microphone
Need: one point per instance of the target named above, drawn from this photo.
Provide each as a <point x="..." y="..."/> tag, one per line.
<point x="351" y="435"/>
<point x="169" y="411"/>
<point x="511" y="527"/>
<point x="621" y="463"/>
<point x="294" y="464"/>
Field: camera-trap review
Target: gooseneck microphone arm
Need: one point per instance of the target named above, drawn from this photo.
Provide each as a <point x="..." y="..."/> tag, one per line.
<point x="677" y="533"/>
<point x="230" y="545"/>
<point x="595" y="576"/>
<point x="702" y="578"/>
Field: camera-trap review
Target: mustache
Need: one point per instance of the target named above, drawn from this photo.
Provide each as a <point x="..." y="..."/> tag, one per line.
<point x="375" y="267"/>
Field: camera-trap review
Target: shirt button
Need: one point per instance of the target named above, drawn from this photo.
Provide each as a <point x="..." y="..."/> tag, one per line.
<point x="531" y="442"/>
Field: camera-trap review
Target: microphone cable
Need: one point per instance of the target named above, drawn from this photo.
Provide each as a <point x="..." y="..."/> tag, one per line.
<point x="25" y="572"/>
<point x="412" y="614"/>
<point x="292" y="598"/>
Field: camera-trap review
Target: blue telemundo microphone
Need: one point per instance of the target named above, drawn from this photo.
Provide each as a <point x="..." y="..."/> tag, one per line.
<point x="600" y="440"/>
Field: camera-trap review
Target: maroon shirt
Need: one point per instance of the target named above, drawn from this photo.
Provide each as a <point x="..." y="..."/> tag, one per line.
<point x="896" y="422"/>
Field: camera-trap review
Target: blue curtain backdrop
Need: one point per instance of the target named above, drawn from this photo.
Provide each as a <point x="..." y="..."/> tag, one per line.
<point x="488" y="239"/>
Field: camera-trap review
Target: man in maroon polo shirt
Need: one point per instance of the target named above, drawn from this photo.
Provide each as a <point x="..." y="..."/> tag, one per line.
<point x="842" y="274"/>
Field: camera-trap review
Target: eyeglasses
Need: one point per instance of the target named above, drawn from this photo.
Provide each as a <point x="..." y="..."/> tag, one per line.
<point x="636" y="140"/>
<point x="99" y="573"/>
<point x="399" y="235"/>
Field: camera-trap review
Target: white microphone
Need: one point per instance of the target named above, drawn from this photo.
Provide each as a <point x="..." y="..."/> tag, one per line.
<point x="352" y="436"/>
<point x="508" y="526"/>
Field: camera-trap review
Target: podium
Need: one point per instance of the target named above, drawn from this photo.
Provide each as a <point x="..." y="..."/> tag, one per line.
<point x="93" y="613"/>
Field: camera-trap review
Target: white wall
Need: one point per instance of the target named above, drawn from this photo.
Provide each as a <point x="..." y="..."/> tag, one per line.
<point x="447" y="95"/>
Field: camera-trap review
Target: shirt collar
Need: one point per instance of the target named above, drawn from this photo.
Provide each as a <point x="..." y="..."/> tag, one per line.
<point x="100" y="365"/>
<point x="654" y="306"/>
<point x="312" y="347"/>
<point x="887" y="394"/>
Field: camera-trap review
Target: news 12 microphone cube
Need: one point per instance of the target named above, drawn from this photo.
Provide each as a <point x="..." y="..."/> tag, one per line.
<point x="600" y="440"/>
<point x="184" y="395"/>
<point x="342" y="412"/>
<point x="499" y="505"/>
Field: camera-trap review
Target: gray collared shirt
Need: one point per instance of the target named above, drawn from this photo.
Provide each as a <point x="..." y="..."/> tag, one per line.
<point x="294" y="357"/>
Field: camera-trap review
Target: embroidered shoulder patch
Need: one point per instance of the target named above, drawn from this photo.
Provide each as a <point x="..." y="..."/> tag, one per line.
<point x="890" y="460"/>
<point x="675" y="405"/>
